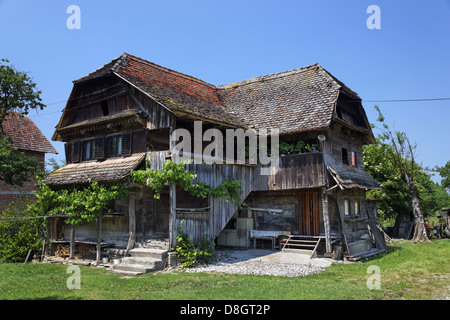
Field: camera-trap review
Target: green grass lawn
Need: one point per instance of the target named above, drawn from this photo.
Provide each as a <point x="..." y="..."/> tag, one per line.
<point x="408" y="271"/>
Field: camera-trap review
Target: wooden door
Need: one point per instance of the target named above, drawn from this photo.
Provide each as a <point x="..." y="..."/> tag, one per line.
<point x="309" y="213"/>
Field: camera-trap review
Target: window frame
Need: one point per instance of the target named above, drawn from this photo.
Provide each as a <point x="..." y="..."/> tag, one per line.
<point x="90" y="143"/>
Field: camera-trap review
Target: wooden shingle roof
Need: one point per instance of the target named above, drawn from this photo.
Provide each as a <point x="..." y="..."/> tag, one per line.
<point x="348" y="177"/>
<point x="25" y="134"/>
<point x="109" y="170"/>
<point x="293" y="101"/>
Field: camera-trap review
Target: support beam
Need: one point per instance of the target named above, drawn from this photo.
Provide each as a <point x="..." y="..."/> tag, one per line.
<point x="131" y="222"/>
<point x="99" y="238"/>
<point x="173" y="216"/>
<point x="326" y="220"/>
<point x="72" y="242"/>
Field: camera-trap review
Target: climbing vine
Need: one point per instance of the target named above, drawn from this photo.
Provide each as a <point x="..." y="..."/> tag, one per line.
<point x="80" y="205"/>
<point x="230" y="189"/>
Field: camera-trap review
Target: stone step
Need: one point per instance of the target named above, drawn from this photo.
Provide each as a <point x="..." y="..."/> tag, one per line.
<point x="148" y="253"/>
<point x="125" y="272"/>
<point x="137" y="267"/>
<point x="141" y="260"/>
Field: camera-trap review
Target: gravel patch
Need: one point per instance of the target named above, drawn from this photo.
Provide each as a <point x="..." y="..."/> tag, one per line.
<point x="254" y="267"/>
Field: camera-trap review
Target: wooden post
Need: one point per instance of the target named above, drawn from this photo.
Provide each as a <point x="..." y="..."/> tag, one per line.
<point x="173" y="216"/>
<point x="131" y="221"/>
<point x="72" y="242"/>
<point x="99" y="237"/>
<point x="172" y="193"/>
<point x="326" y="220"/>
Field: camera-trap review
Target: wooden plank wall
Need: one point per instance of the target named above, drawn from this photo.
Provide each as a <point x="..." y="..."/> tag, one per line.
<point x="297" y="171"/>
<point x="159" y="117"/>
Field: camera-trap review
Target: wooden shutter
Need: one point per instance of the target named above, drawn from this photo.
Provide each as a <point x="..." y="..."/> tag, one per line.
<point x="99" y="148"/>
<point x="68" y="152"/>
<point x="139" y="141"/>
<point x="76" y="151"/>
<point x="126" y="143"/>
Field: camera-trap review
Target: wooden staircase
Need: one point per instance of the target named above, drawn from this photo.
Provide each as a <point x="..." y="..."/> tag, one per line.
<point x="302" y="244"/>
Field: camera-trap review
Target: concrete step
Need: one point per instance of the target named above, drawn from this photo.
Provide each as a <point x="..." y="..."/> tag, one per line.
<point x="141" y="260"/>
<point x="160" y="243"/>
<point x="148" y="253"/>
<point x="137" y="266"/>
<point x="302" y="251"/>
<point x="125" y="272"/>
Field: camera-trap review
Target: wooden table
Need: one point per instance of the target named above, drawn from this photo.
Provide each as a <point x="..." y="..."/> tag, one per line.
<point x="267" y="235"/>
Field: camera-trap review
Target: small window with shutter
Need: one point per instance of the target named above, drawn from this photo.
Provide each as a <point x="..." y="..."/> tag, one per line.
<point x="344" y="156"/>
<point x="114" y="146"/>
<point x="126" y="144"/>
<point x="68" y="151"/>
<point x="76" y="151"/>
<point x="99" y="147"/>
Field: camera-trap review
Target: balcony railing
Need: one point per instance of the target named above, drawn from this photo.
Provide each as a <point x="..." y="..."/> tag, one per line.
<point x="297" y="171"/>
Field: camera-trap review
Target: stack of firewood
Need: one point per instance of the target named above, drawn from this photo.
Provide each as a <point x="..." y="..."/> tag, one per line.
<point x="62" y="250"/>
<point x="85" y="251"/>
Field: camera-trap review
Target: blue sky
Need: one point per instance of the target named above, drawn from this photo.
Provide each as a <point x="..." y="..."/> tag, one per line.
<point x="223" y="42"/>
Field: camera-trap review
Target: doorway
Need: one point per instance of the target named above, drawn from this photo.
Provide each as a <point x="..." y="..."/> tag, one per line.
<point x="309" y="213"/>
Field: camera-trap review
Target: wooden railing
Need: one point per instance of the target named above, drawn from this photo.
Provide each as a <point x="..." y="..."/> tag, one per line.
<point x="297" y="171"/>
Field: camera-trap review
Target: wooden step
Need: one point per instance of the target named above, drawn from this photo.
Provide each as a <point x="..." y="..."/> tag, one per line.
<point x="302" y="245"/>
<point x="294" y="243"/>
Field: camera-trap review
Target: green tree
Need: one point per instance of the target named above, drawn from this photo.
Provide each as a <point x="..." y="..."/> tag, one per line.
<point x="17" y="94"/>
<point x="405" y="186"/>
<point x="393" y="195"/>
<point x="444" y="172"/>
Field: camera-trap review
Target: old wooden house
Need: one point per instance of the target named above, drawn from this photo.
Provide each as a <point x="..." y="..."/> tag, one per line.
<point x="125" y="112"/>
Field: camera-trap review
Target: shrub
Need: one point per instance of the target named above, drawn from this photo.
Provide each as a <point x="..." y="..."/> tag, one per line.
<point x="188" y="254"/>
<point x="205" y="251"/>
<point x="185" y="249"/>
<point x="20" y="231"/>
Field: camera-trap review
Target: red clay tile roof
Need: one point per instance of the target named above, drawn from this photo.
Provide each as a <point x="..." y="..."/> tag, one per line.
<point x="25" y="134"/>
<point x="178" y="92"/>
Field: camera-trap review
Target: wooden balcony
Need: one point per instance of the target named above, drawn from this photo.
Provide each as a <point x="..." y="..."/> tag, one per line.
<point x="297" y="171"/>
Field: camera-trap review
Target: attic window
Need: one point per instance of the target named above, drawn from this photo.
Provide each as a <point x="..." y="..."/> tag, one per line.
<point x="344" y="156"/>
<point x="104" y="106"/>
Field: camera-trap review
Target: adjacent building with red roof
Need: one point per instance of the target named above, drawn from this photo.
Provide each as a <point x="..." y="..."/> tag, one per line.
<point x="27" y="138"/>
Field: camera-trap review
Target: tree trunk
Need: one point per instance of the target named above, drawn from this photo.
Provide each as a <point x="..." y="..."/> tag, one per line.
<point x="420" y="231"/>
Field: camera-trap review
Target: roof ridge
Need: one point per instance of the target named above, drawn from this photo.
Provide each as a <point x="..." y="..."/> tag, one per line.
<point x="271" y="76"/>
<point x="339" y="84"/>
